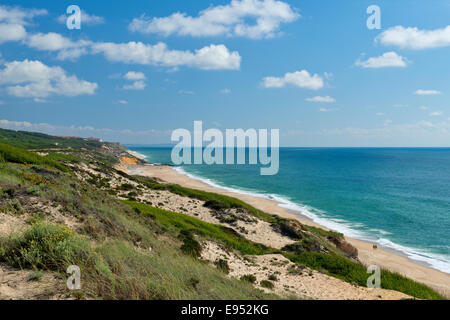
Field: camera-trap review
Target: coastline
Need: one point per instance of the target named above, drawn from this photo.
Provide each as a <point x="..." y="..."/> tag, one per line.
<point x="386" y="258"/>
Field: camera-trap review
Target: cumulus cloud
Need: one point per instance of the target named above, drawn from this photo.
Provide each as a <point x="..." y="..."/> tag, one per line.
<point x="422" y="92"/>
<point x="386" y="60"/>
<point x="436" y="114"/>
<point x="414" y="38"/>
<point x="225" y="91"/>
<point x="136" y="85"/>
<point x="324" y="109"/>
<point x="13" y="20"/>
<point x="133" y="75"/>
<point x="34" y="79"/>
<point x="51" y="41"/>
<point x="301" y="79"/>
<point x="86" y="19"/>
<point x="212" y="57"/>
<point x="11" y="32"/>
<point x="230" y="20"/>
<point x="321" y="99"/>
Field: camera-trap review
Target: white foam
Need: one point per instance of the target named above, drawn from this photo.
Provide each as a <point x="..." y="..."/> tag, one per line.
<point x="137" y="155"/>
<point x="434" y="260"/>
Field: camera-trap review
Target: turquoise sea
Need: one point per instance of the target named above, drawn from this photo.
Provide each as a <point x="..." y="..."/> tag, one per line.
<point x="398" y="197"/>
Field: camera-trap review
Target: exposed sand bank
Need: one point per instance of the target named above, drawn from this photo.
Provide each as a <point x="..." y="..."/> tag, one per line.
<point x="385" y="259"/>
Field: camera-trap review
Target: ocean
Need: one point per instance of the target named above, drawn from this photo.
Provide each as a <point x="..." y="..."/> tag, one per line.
<point x="396" y="197"/>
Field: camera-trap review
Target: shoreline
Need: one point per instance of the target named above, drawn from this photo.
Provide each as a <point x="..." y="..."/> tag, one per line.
<point x="385" y="257"/>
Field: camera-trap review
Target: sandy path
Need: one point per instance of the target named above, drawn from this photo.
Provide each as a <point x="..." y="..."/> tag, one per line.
<point x="437" y="280"/>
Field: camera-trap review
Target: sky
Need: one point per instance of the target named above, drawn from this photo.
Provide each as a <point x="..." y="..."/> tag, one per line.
<point x="312" y="69"/>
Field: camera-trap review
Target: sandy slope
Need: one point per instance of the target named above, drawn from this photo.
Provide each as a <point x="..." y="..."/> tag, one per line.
<point x="438" y="280"/>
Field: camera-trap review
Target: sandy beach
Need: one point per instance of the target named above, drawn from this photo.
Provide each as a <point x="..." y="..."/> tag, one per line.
<point x="386" y="259"/>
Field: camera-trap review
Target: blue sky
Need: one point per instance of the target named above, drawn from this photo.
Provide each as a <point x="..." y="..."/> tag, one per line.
<point x="133" y="73"/>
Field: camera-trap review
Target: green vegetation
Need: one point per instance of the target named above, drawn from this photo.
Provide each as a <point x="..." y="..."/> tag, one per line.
<point x="34" y="140"/>
<point x="267" y="284"/>
<point x="222" y="265"/>
<point x="113" y="238"/>
<point x="190" y="245"/>
<point x="248" y="278"/>
<point x="356" y="273"/>
<point x="185" y="223"/>
<point x="213" y="200"/>
<point x="19" y="155"/>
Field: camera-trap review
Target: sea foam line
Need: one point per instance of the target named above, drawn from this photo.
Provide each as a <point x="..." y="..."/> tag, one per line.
<point x="137" y="154"/>
<point x="435" y="261"/>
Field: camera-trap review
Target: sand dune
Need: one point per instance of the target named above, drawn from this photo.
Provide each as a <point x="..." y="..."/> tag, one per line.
<point x="385" y="259"/>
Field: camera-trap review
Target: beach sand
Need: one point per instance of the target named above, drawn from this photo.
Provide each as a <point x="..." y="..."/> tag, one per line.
<point x="386" y="259"/>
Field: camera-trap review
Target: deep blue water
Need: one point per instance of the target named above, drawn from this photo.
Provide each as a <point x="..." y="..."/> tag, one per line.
<point x="399" y="197"/>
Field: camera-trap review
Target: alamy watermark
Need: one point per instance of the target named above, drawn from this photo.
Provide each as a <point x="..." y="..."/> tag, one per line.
<point x="234" y="147"/>
<point x="374" y="281"/>
<point x="73" y="21"/>
<point x="374" y="20"/>
<point x="74" y="279"/>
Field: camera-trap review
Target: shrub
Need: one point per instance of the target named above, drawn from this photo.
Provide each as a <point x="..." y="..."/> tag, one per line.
<point x="266" y="284"/>
<point x="190" y="246"/>
<point x="248" y="278"/>
<point x="45" y="246"/>
<point x="19" y="155"/>
<point x="222" y="265"/>
<point x="273" y="277"/>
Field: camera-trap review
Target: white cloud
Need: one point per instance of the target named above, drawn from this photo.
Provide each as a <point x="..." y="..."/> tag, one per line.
<point x="123" y="101"/>
<point x="423" y="108"/>
<point x="230" y="20"/>
<point x="414" y="38"/>
<point x="324" y="109"/>
<point x="225" y="91"/>
<point x="86" y="19"/>
<point x="133" y="75"/>
<point x="386" y="60"/>
<point x="11" y="32"/>
<point x="212" y="57"/>
<point x="321" y="99"/>
<point x="380" y="114"/>
<point x="16" y="15"/>
<point x="34" y="79"/>
<point x="436" y="114"/>
<point x="422" y="92"/>
<point x="301" y="79"/>
<point x="136" y="85"/>
<point x="13" y="20"/>
<point x="186" y="92"/>
<point x="51" y="41"/>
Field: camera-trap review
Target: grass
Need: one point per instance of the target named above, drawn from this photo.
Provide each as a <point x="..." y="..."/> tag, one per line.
<point x="112" y="246"/>
<point x="22" y="156"/>
<point x="33" y="140"/>
<point x="117" y="270"/>
<point x="248" y="278"/>
<point x="267" y="284"/>
<point x="356" y="273"/>
<point x="44" y="247"/>
<point x="185" y="223"/>
<point x="217" y="200"/>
